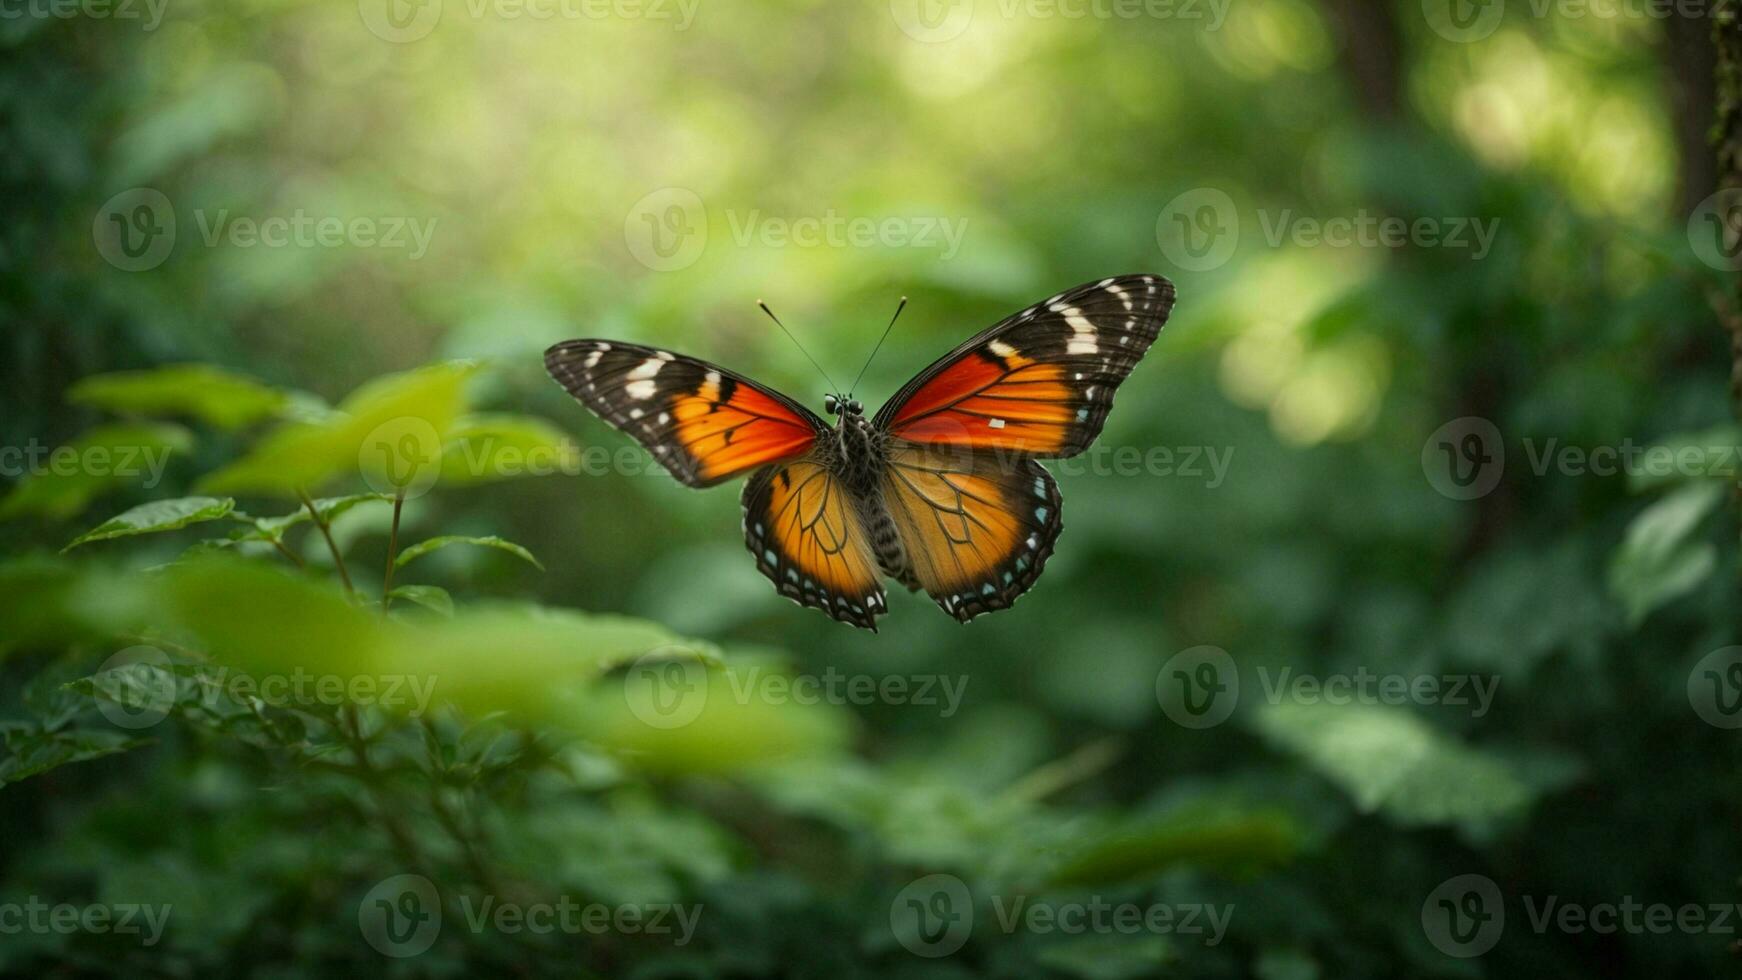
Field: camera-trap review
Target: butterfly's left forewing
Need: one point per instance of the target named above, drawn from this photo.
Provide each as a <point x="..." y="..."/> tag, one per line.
<point x="703" y="423"/>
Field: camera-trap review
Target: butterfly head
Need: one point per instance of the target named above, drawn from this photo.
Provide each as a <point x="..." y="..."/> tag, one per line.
<point x="839" y="405"/>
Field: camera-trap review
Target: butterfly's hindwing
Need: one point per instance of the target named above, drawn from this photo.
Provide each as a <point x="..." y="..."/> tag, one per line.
<point x="1039" y="383"/>
<point x="808" y="538"/>
<point x="703" y="423"/>
<point x="976" y="528"/>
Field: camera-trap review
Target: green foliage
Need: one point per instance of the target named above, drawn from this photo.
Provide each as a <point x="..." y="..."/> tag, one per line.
<point x="1660" y="559"/>
<point x="70" y="477"/>
<point x="392" y="428"/>
<point x="648" y="722"/>
<point x="212" y="395"/>
<point x="422" y="548"/>
<point x="1392" y="763"/>
<point x="159" y="515"/>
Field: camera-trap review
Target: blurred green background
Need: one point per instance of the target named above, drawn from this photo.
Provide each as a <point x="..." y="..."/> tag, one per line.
<point x="495" y="177"/>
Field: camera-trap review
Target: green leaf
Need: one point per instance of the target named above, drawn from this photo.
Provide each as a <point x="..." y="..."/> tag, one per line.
<point x="1708" y="454"/>
<point x="1393" y="763"/>
<point x="428" y="596"/>
<point x="34" y="753"/>
<point x="1239" y="844"/>
<point x="53" y="602"/>
<point x="435" y="544"/>
<point x="330" y="509"/>
<point x="1109" y="957"/>
<point x="1657" y="562"/>
<point x="482" y="448"/>
<point x="159" y="515"/>
<point x="61" y="483"/>
<point x="390" y="430"/>
<point x="211" y="394"/>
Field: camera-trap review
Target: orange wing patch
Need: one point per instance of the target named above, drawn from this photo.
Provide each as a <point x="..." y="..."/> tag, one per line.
<point x="1039" y="383"/>
<point x="977" y="529"/>
<point x="728" y="433"/>
<point x="703" y="423"/>
<point x="808" y="539"/>
<point x="1009" y="403"/>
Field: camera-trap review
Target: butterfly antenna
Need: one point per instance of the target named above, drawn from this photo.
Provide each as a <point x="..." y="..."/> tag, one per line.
<point x="899" y="307"/>
<point x="795" y="343"/>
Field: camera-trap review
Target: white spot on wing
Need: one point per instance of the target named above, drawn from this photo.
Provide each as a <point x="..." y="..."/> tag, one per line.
<point x="641" y="390"/>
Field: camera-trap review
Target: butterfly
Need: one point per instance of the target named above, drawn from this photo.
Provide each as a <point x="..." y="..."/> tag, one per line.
<point x="942" y="490"/>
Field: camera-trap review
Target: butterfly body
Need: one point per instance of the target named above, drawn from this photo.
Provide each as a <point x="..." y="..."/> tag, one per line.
<point x="861" y="464"/>
<point x="942" y="490"/>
